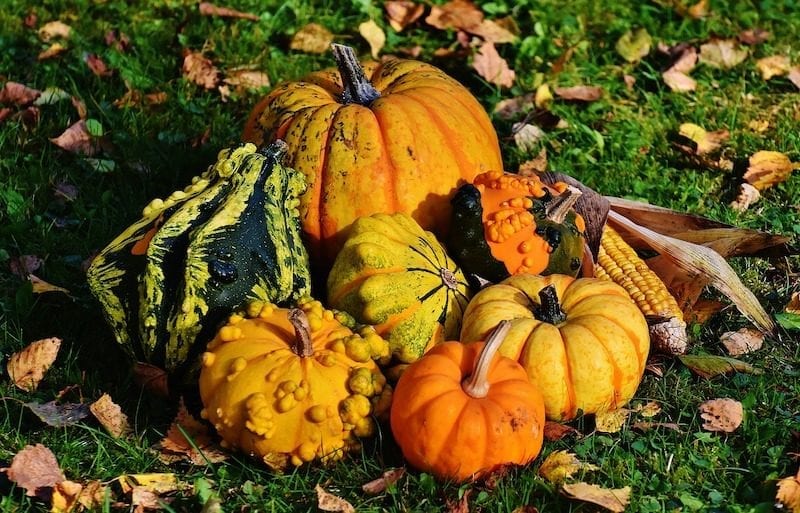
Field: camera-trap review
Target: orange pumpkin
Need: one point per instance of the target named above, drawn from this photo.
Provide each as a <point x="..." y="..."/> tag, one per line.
<point x="397" y="136"/>
<point x="461" y="410"/>
<point x="583" y="341"/>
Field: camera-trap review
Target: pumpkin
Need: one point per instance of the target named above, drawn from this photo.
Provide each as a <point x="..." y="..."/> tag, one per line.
<point x="394" y="275"/>
<point x="292" y="385"/>
<point x="231" y="236"/>
<point x="395" y="136"/>
<point x="583" y="341"/>
<point x="511" y="224"/>
<point x="462" y="410"/>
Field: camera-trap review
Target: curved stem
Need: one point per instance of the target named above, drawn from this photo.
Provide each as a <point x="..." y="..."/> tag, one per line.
<point x="558" y="208"/>
<point x="356" y="86"/>
<point x="549" y="310"/>
<point x="302" y="333"/>
<point x="476" y="385"/>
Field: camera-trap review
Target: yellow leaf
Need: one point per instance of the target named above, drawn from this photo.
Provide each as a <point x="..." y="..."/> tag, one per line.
<point x="65" y="496"/>
<point x="706" y="141"/>
<point x="28" y="366"/>
<point x="154" y="482"/>
<point x="678" y="81"/>
<point x="768" y="168"/>
<point x="561" y="465"/>
<point x="649" y="410"/>
<point x="611" y="421"/>
<point x="789" y="493"/>
<point x="722" y="53"/>
<point x="773" y="66"/>
<point x="611" y="499"/>
<point x="40" y="286"/>
<point x="374" y="35"/>
<point x="313" y="38"/>
<point x="543" y="96"/>
<point x="110" y="416"/>
<point x="54" y="29"/>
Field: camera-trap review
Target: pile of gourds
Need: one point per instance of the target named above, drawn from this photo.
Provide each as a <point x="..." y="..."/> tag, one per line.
<point x="347" y="183"/>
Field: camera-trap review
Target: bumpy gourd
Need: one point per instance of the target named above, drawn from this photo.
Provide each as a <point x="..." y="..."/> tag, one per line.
<point x="394" y="275"/>
<point x="583" y="341"/>
<point x="511" y="224"/>
<point x="395" y="136"/>
<point x="233" y="235"/>
<point x="461" y="410"/>
<point x="292" y="386"/>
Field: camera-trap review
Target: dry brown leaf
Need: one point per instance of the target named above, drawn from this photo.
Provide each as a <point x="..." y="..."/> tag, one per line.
<point x="24" y="265"/>
<point x="51" y="51"/>
<point x="722" y="53"/>
<point x="508" y="108"/>
<point x="629" y="80"/>
<point x="554" y="431"/>
<point x="721" y="415"/>
<point x="706" y="142"/>
<point x="54" y="29"/>
<point x="65" y="496"/>
<point x="581" y="93"/>
<point x="33" y="468"/>
<point x="151" y="378"/>
<point x="456" y="14"/>
<point x="526" y="136"/>
<point x="794" y="76"/>
<point x="40" y="286"/>
<point x="144" y="498"/>
<point x="246" y="79"/>
<point x="773" y="66"/>
<point x="534" y="166"/>
<point x="97" y="65"/>
<point x="155" y="98"/>
<point x="647" y="426"/>
<point x="491" y="31"/>
<point x="327" y="501"/>
<point x="649" y="410"/>
<point x="80" y="107"/>
<point x="209" y="9"/>
<point x="611" y="421"/>
<point x="131" y="98"/>
<point x="747" y="196"/>
<point x="754" y="36"/>
<point x="200" y="70"/>
<point x="561" y="465"/>
<point x="110" y="416"/>
<point x="31" y="19"/>
<point x="374" y="35"/>
<point x="686" y="61"/>
<point x="767" y="168"/>
<point x="788" y="494"/>
<point x="402" y="13"/>
<point x="387" y="479"/>
<point x="176" y="446"/>
<point x="313" y="38"/>
<point x="758" y="125"/>
<point x="18" y="94"/>
<point x="488" y="63"/>
<point x="678" y="81"/>
<point x="744" y="341"/>
<point x="461" y="505"/>
<point x="615" y="499"/>
<point x="27" y="367"/>
<point x="77" y="139"/>
<point x="793" y="307"/>
<point x="703" y="309"/>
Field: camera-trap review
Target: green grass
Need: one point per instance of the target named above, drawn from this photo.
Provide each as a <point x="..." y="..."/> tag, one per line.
<point x="620" y="145"/>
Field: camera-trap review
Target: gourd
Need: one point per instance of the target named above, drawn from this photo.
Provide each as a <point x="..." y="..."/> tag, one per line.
<point x="292" y="386"/>
<point x="583" y="341"/>
<point x="462" y="410"/>
<point x="395" y="136"/>
<point x="394" y="275"/>
<point x="233" y="235"/>
<point x="510" y="224"/>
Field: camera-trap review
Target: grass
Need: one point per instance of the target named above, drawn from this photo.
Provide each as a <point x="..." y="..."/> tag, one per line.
<point x="620" y="145"/>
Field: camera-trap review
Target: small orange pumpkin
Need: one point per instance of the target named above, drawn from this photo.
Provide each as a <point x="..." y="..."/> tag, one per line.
<point x="461" y="410"/>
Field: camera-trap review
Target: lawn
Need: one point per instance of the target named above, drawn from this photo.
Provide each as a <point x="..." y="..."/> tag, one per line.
<point x="154" y="126"/>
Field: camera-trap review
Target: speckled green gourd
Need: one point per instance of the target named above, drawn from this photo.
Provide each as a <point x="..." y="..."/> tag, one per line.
<point x="231" y="236"/>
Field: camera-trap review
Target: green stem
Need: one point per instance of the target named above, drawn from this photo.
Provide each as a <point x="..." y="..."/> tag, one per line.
<point x="356" y="86"/>
<point x="549" y="310"/>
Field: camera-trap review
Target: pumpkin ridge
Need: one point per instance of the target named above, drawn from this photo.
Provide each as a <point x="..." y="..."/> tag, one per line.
<point x="616" y="378"/>
<point x="427" y="258"/>
<point x="395" y="319"/>
<point x="570" y="406"/>
<point x="641" y="358"/>
<point x="387" y="155"/>
<point x="359" y="280"/>
<point x="488" y="131"/>
<point x="441" y="260"/>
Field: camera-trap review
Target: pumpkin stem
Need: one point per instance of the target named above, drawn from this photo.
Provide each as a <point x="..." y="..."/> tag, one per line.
<point x="477" y="385"/>
<point x="448" y="278"/>
<point x="302" y="333"/>
<point x="357" y="88"/>
<point x="549" y="310"/>
<point x="559" y="206"/>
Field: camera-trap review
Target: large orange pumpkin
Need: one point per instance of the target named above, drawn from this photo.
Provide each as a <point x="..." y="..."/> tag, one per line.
<point x="397" y="136"/>
<point x="583" y="341"/>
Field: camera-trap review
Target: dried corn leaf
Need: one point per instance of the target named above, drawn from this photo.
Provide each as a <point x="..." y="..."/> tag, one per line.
<point x="709" y="366"/>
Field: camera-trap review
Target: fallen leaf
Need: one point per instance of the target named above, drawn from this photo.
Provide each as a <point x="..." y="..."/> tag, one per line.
<point x="709" y="366"/>
<point x="200" y="70"/>
<point x="24" y="265"/>
<point x="721" y="415"/>
<point x="611" y="421"/>
<point x="402" y="13"/>
<point x="156" y="482"/>
<point x="5" y="113"/>
<point x="77" y="139"/>
<point x="33" y="468"/>
<point x="119" y="40"/>
<point x="788" y="494"/>
<point x="97" y="65"/>
<point x="773" y="66"/>
<point x="209" y="9"/>
<point x="387" y="479"/>
<point x="615" y="500"/>
<point x="794" y="76"/>
<point x="131" y="98"/>
<point x="699" y="10"/>
<point x="744" y="341"/>
<point x="456" y="14"/>
<point x="31" y="19"/>
<point x="649" y="410"/>
<point x="647" y="426"/>
<point x="747" y="196"/>
<point x="110" y="416"/>
<point x="246" y="79"/>
<point x="489" y="65"/>
<point x="554" y="431"/>
<point x="758" y="125"/>
<point x="580" y="93"/>
<point x="510" y="107"/>
<point x="767" y="168"/>
<point x="327" y="501"/>
<point x="678" y="81"/>
<point x="629" y="82"/>
<point x="633" y="46"/>
<point x="59" y="415"/>
<point x="754" y="36"/>
<point x="29" y="117"/>
<point x="54" y="29"/>
<point x="686" y="61"/>
<point x="793" y="306"/>
<point x="374" y="35"/>
<point x="534" y="166"/>
<point x="543" y="96"/>
<point x="80" y="107"/>
<point x="655" y="368"/>
<point x="492" y="32"/>
<point x="706" y="142"/>
<point x="525" y="509"/>
<point x="176" y="446"/>
<point x="144" y="498"/>
<point x="703" y="309"/>
<point x="18" y="94"/>
<point x="561" y="465"/>
<point x="41" y="287"/>
<point x="51" y="96"/>
<point x="461" y="505"/>
<point x="65" y="496"/>
<point x="313" y="38"/>
<point x="151" y="378"/>
<point x="51" y="51"/>
<point x="155" y="98"/>
<point x="28" y="366"/>
<point x="526" y="136"/>
<point x="722" y="53"/>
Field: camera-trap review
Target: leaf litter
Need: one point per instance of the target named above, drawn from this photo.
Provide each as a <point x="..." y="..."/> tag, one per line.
<point x="28" y="366"/>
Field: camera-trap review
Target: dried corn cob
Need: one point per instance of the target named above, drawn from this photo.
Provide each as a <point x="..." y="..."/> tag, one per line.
<point x="618" y="262"/>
